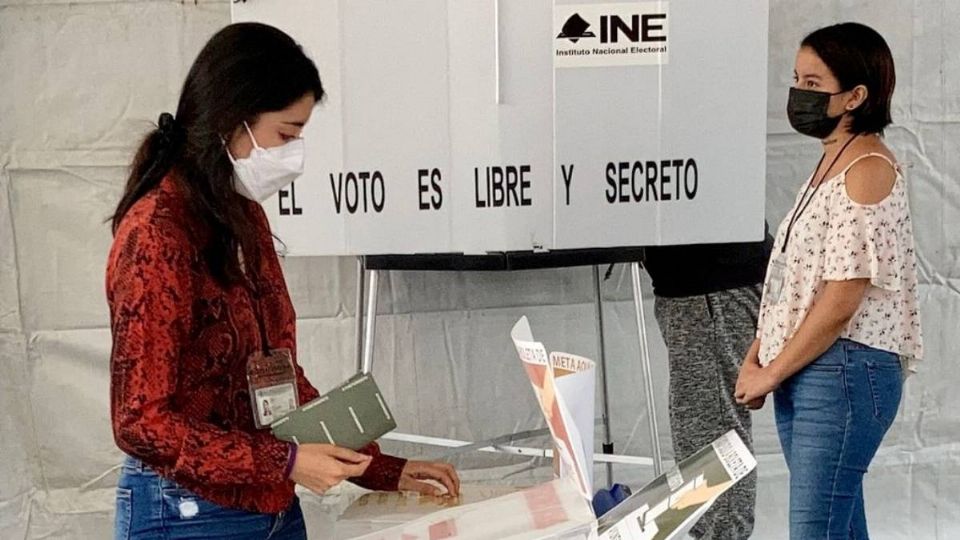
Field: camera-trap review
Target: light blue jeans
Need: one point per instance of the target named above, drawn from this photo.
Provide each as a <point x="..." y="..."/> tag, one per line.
<point x="831" y="417"/>
<point x="150" y="507"/>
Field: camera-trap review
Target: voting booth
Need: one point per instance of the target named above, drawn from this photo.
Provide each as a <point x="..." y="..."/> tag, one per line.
<point x="499" y="135"/>
<point x="488" y="125"/>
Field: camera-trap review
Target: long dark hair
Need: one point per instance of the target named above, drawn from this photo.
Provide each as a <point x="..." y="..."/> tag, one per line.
<point x="856" y="54"/>
<point x="244" y="70"/>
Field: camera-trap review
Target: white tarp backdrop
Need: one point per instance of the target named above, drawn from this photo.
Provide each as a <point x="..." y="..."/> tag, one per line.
<point x="83" y="80"/>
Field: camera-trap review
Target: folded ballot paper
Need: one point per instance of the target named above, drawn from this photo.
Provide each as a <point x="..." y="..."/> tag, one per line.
<point x="565" y="387"/>
<point x="670" y="506"/>
<point x="352" y="416"/>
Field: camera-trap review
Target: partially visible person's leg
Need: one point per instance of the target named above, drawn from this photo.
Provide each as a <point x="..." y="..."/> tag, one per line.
<point x="701" y="333"/>
<point x="735" y="322"/>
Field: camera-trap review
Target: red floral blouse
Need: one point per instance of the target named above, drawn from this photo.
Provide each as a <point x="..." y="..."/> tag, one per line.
<point x="179" y="396"/>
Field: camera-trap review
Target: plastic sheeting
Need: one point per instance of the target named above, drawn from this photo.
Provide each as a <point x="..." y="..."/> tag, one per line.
<point x="81" y="82"/>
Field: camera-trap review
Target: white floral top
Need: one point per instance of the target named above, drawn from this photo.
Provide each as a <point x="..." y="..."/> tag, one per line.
<point x="838" y="239"/>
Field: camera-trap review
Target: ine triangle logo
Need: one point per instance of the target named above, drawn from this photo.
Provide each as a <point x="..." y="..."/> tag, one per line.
<point x="575" y="28"/>
<point x="614" y="34"/>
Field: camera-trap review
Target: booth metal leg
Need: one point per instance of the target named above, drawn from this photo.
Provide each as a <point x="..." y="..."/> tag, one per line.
<point x="604" y="387"/>
<point x="645" y="370"/>
<point x="371" y="323"/>
<point x="358" y="312"/>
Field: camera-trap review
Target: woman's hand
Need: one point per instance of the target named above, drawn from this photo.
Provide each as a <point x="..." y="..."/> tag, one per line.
<point x="319" y="467"/>
<point x="752" y="358"/>
<point x="756" y="404"/>
<point x="754" y="383"/>
<point x="416" y="471"/>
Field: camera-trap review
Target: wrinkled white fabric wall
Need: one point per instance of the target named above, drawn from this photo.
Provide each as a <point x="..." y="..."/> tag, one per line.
<point x="81" y="83"/>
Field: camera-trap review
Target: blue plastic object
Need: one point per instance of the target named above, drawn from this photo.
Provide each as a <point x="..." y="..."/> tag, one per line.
<point x="606" y="499"/>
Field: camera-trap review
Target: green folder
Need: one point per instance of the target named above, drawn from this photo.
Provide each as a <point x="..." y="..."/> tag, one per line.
<point x="352" y="416"/>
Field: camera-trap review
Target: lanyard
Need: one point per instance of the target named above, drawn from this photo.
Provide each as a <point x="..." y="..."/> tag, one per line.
<point x="253" y="293"/>
<point x="804" y="201"/>
<point x="252" y="288"/>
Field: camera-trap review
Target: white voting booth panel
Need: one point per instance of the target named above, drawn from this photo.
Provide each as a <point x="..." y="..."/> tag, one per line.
<point x="490" y="125"/>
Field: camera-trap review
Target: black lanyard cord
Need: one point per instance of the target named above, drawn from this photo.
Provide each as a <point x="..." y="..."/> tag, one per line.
<point x="252" y="286"/>
<point x="804" y="201"/>
<point x="253" y="292"/>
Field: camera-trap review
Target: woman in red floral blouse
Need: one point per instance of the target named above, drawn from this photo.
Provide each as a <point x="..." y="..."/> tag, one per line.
<point x="196" y="292"/>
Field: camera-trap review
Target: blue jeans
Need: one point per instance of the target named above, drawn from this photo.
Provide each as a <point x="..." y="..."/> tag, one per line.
<point x="150" y="507"/>
<point x="831" y="417"/>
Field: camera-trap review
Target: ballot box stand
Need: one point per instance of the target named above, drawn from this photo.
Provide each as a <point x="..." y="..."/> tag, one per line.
<point x="370" y="267"/>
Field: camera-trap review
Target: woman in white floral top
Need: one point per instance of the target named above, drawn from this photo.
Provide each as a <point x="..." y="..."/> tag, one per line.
<point x="839" y="310"/>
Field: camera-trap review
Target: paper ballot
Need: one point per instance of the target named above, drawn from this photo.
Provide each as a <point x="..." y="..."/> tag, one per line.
<point x="565" y="388"/>
<point x="669" y="506"/>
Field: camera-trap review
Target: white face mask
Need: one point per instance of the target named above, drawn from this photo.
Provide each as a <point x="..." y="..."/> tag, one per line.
<point x="267" y="170"/>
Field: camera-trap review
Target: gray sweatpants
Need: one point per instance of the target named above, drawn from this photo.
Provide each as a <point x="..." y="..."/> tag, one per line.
<point x="707" y="337"/>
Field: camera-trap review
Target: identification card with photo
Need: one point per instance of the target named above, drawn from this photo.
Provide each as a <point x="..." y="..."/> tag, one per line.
<point x="273" y="386"/>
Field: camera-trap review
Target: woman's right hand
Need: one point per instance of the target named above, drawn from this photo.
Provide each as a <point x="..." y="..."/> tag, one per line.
<point x="319" y="467"/>
<point x="756" y="404"/>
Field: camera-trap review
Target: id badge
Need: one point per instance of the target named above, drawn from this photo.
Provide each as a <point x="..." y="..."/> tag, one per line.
<point x="778" y="270"/>
<point x="273" y="385"/>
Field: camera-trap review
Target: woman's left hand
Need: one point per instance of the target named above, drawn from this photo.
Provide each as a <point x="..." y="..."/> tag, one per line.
<point x="754" y="382"/>
<point x="416" y="471"/>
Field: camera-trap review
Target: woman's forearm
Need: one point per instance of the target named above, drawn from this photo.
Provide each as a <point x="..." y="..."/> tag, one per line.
<point x="831" y="313"/>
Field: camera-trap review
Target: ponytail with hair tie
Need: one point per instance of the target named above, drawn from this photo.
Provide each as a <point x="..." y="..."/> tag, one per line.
<point x="170" y="132"/>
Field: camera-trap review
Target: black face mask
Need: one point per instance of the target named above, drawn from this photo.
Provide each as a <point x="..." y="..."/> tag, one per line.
<point x="807" y="111"/>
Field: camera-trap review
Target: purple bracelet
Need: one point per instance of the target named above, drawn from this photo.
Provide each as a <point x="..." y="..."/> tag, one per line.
<point x="291" y="459"/>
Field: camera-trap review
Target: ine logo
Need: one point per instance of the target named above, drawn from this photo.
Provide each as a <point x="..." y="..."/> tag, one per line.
<point x="575" y="28"/>
<point x="615" y="34"/>
<point x="633" y="28"/>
